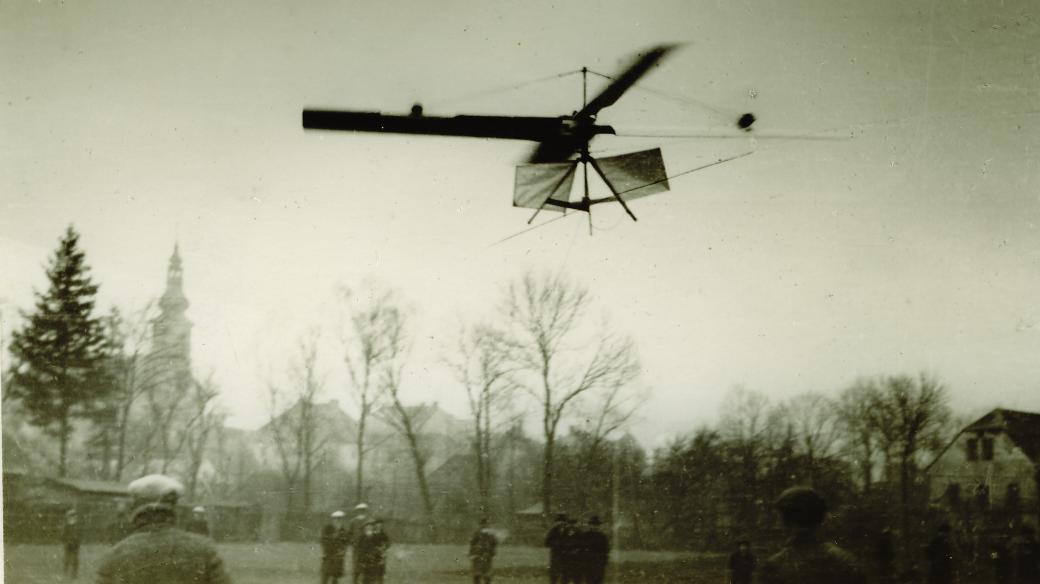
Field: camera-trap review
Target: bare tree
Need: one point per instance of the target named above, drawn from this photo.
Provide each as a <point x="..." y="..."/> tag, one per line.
<point x="203" y="421"/>
<point x="237" y="463"/>
<point x="911" y="414"/>
<point x="813" y="423"/>
<point x="482" y="365"/>
<point x="165" y="405"/>
<point x="604" y="412"/>
<point x="562" y="355"/>
<point x="296" y="431"/>
<point x="744" y="422"/>
<point x="609" y="410"/>
<point x="407" y="421"/>
<point x="366" y="352"/>
<point x="859" y="435"/>
<point x="747" y="425"/>
<point x="136" y="373"/>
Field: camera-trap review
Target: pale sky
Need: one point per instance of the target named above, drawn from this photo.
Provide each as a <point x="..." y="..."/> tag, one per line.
<point x="911" y="247"/>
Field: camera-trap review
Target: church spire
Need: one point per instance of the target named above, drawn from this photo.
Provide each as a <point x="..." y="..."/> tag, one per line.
<point x="172" y="329"/>
<point x="173" y="298"/>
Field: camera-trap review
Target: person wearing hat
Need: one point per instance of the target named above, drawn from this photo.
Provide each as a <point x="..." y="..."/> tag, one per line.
<point x="593" y="550"/>
<point x="72" y="537"/>
<point x="370" y="551"/>
<point x="198" y="523"/>
<point x="742" y="563"/>
<point x="805" y="559"/>
<point x="157" y="552"/>
<point x="334" y="543"/>
<point x="481" y="552"/>
<point x="557" y="539"/>
<point x="355" y="531"/>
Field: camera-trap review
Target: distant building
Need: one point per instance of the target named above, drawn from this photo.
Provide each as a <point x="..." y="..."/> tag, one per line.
<point x="171" y="329"/>
<point x="389" y="469"/>
<point x="35" y="506"/>
<point x="991" y="468"/>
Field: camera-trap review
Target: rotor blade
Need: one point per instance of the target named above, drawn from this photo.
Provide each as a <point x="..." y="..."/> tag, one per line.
<point x="536" y="129"/>
<point x="610" y="95"/>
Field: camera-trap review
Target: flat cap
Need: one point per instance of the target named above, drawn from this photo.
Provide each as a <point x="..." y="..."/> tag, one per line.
<point x="338" y="514"/>
<point x="360" y="507"/>
<point x="801" y="507"/>
<point x="156" y="488"/>
<point x="199" y="509"/>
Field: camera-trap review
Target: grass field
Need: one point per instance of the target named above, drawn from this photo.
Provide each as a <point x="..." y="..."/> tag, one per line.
<point x="292" y="563"/>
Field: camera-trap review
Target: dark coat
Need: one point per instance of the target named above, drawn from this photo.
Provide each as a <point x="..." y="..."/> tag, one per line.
<point x="1025" y="555"/>
<point x="159" y="553"/>
<point x="555" y="540"/>
<point x="593" y="554"/>
<point x="482" y="550"/>
<point x="940" y="554"/>
<point x="334" y="542"/>
<point x="370" y="551"/>
<point x="742" y="567"/>
<point x="356" y="528"/>
<point x="805" y="560"/>
<point x="198" y="525"/>
<point x="72" y="534"/>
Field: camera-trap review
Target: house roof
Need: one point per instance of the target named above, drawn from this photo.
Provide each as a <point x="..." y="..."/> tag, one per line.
<point x="1023" y="428"/>
<point x="428" y="419"/>
<point x="92" y="486"/>
<point x="535" y="509"/>
<point x="339" y="425"/>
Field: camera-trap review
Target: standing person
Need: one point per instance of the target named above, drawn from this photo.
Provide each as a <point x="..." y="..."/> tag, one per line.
<point x="72" y="538"/>
<point x="355" y="531"/>
<point x="198" y="522"/>
<point x="570" y="552"/>
<point x="885" y="557"/>
<point x="481" y="552"/>
<point x="156" y="552"/>
<point x="805" y="559"/>
<point x="555" y="541"/>
<point x="594" y="552"/>
<point x="334" y="542"/>
<point x="941" y="552"/>
<point x="1000" y="559"/>
<point x="742" y="563"/>
<point x="371" y="552"/>
<point x="1025" y="555"/>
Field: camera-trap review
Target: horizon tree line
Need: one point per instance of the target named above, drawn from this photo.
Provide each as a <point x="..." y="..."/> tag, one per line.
<point x="542" y="352"/>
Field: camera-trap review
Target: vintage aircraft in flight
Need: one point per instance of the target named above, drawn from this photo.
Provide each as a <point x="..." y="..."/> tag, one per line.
<point x="562" y="142"/>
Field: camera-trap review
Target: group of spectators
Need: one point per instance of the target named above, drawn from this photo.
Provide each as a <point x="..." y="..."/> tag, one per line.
<point x="157" y="552"/>
<point x="370" y="544"/>
<point x="1014" y="558"/>
<point x="807" y="559"/>
<point x="578" y="553"/>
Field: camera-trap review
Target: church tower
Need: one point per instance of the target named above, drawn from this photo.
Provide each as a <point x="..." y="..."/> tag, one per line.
<point x="171" y="330"/>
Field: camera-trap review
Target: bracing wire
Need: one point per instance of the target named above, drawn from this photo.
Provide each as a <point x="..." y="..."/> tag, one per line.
<point x="500" y="89"/>
<point x="519" y="233"/>
<point x="748" y="136"/>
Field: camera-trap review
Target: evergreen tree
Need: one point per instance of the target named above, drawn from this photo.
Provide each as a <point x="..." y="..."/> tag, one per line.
<point x="59" y="355"/>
